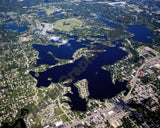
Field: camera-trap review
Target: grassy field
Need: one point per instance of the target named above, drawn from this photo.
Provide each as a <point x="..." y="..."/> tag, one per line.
<point x="68" y="24"/>
<point x="58" y="111"/>
<point x="64" y="118"/>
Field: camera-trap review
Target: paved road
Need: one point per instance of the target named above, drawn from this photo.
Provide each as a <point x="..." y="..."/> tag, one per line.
<point x="137" y="73"/>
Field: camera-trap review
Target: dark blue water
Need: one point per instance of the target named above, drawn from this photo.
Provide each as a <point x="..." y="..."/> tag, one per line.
<point x="142" y="34"/>
<point x="118" y="4"/>
<point x="14" y="28"/>
<point x="10" y="20"/>
<point x="62" y="15"/>
<point x="138" y="22"/>
<point x="62" y="52"/>
<point x="46" y="1"/>
<point x="41" y="13"/>
<point x="148" y="0"/>
<point x="87" y="2"/>
<point x="58" y="12"/>
<point x="102" y="16"/>
<point x="155" y="8"/>
<point x="119" y="21"/>
<point x="110" y="24"/>
<point x="99" y="81"/>
<point x="102" y="37"/>
<point x="26" y="3"/>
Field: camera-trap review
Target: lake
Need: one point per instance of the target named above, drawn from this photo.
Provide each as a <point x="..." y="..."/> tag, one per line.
<point x="10" y="20"/>
<point x="141" y="33"/>
<point x="64" y="51"/>
<point x="14" y="28"/>
<point x="100" y="85"/>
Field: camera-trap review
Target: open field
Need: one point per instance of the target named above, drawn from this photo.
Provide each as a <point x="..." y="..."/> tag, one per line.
<point x="68" y="24"/>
